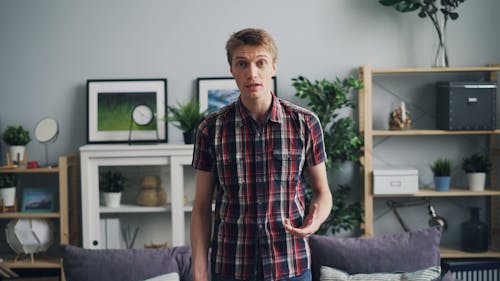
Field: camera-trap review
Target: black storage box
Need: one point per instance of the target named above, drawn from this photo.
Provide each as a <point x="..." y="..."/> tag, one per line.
<point x="466" y="105"/>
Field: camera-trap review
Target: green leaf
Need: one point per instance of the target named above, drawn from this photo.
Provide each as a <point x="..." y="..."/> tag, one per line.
<point x="389" y="2"/>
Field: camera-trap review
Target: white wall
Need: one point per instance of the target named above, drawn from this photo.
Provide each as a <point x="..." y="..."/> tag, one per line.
<point x="48" y="49"/>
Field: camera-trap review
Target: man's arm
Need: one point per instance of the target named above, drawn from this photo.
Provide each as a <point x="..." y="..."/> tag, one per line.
<point x="321" y="203"/>
<point x="201" y="223"/>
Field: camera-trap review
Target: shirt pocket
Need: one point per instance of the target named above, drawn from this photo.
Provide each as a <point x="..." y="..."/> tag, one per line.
<point x="231" y="174"/>
<point x="287" y="165"/>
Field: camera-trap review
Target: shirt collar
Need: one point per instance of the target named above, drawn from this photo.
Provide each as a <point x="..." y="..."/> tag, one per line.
<point x="243" y="116"/>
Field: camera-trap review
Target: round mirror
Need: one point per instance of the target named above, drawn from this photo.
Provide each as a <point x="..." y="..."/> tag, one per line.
<point x="46" y="130"/>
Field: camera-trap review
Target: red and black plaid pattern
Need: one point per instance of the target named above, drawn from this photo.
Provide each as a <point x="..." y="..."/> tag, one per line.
<point x="259" y="174"/>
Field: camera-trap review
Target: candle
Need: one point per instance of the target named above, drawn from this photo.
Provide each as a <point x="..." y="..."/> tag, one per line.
<point x="403" y="112"/>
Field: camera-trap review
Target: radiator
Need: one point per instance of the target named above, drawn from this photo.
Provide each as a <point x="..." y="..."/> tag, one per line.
<point x="473" y="269"/>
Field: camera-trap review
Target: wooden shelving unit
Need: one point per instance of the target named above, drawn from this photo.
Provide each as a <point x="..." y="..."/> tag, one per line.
<point x="366" y="110"/>
<point x="60" y="215"/>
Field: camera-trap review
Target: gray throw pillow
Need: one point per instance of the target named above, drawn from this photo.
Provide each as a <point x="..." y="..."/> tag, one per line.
<point x="428" y="274"/>
<point x="401" y="252"/>
<point x="132" y="264"/>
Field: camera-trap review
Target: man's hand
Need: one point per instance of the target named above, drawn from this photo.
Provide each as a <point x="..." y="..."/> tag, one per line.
<point x="309" y="227"/>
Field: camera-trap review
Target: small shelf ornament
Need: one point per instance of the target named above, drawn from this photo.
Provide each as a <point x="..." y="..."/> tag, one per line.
<point x="399" y="118"/>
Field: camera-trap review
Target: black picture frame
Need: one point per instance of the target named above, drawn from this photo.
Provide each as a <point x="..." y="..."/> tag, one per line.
<point x="38" y="200"/>
<point x="109" y="106"/>
<point x="216" y="92"/>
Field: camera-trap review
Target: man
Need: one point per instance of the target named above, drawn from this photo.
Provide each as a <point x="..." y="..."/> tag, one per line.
<point x="252" y="155"/>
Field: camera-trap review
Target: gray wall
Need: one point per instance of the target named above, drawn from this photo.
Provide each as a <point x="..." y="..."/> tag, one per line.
<point x="48" y="49"/>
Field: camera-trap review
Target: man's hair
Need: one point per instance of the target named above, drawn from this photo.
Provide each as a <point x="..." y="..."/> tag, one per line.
<point x="252" y="37"/>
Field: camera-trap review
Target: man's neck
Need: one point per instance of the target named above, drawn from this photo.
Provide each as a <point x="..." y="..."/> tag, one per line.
<point x="258" y="108"/>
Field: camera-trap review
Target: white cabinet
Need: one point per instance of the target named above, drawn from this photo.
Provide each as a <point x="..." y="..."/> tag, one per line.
<point x="166" y="223"/>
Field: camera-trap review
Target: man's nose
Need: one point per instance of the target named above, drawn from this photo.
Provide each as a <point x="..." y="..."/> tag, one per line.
<point x="252" y="70"/>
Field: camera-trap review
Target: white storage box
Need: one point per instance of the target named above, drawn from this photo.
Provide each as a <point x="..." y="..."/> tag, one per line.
<point x="395" y="181"/>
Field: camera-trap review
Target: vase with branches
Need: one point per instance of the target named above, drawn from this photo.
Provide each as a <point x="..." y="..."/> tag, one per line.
<point x="439" y="12"/>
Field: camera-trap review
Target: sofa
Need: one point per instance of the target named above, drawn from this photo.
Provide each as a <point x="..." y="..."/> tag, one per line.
<point x="407" y="255"/>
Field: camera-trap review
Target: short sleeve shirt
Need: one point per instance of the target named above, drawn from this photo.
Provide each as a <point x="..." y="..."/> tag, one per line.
<point x="259" y="183"/>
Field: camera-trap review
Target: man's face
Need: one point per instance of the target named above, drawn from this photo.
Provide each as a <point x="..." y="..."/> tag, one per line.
<point x="253" y="68"/>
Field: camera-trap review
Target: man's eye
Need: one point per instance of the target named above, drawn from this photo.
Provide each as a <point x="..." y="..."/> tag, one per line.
<point x="261" y="63"/>
<point x="241" y="63"/>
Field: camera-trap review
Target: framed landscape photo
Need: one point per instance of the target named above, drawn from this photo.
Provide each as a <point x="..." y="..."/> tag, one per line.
<point x="38" y="200"/>
<point x="111" y="105"/>
<point x="217" y="92"/>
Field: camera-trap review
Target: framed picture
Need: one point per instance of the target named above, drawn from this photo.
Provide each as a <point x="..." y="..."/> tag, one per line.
<point x="217" y="92"/>
<point x="110" y="110"/>
<point x="38" y="200"/>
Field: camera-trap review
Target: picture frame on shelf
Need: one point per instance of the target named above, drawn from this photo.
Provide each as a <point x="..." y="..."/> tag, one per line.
<point x="110" y="107"/>
<point x="217" y="92"/>
<point x="38" y="200"/>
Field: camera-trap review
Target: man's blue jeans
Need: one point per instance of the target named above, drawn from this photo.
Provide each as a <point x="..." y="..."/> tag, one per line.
<point x="306" y="276"/>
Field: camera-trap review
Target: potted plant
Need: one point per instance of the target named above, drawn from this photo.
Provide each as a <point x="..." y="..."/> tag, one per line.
<point x="112" y="183"/>
<point x="186" y="117"/>
<point x="17" y="138"/>
<point x="439" y="12"/>
<point x="8" y="183"/>
<point x="476" y="166"/>
<point x="328" y="99"/>
<point x="442" y="171"/>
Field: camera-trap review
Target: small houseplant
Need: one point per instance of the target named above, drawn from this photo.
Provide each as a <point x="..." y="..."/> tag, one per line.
<point x="186" y="117"/>
<point x="8" y="183"/>
<point x="476" y="166"/>
<point x="327" y="99"/>
<point x="17" y="138"/>
<point x="112" y="183"/>
<point x="441" y="168"/>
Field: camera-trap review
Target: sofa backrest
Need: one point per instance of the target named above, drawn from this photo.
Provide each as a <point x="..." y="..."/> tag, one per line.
<point x="401" y="252"/>
<point x="125" y="265"/>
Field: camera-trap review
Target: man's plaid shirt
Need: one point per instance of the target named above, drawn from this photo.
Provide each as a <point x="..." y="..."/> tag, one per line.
<point x="259" y="183"/>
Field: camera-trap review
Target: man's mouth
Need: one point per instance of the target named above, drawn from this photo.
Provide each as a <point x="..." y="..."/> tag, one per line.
<point x="253" y="85"/>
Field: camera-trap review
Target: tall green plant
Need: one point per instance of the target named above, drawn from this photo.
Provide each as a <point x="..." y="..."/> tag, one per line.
<point x="327" y="99"/>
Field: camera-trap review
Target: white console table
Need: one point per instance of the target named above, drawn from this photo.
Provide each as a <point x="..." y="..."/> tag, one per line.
<point x="171" y="158"/>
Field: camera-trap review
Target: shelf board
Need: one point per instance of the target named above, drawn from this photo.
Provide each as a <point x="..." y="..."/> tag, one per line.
<point x="432" y="132"/>
<point x="435" y="70"/>
<point x="29" y="171"/>
<point x="129" y="208"/>
<point x="18" y="215"/>
<point x="189" y="207"/>
<point x="455" y="252"/>
<point x="453" y="192"/>
<point x="39" y="262"/>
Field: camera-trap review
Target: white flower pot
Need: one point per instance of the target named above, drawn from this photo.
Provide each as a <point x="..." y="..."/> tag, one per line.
<point x="476" y="181"/>
<point x="112" y="199"/>
<point x="8" y="196"/>
<point x="15" y="150"/>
